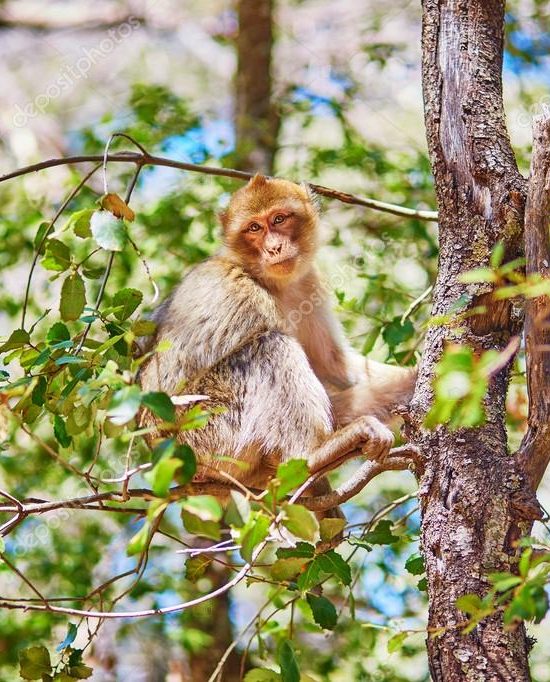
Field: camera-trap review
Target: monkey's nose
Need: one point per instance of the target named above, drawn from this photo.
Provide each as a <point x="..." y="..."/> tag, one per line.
<point x="275" y="250"/>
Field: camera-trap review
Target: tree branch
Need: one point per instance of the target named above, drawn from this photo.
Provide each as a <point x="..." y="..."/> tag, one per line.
<point x="401" y="458"/>
<point x="534" y="452"/>
<point x="150" y="160"/>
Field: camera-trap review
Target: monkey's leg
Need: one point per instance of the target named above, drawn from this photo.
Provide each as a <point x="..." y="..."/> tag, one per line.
<point x="365" y="435"/>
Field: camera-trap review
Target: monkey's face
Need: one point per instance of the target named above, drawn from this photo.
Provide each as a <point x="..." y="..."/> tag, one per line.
<point x="271" y="225"/>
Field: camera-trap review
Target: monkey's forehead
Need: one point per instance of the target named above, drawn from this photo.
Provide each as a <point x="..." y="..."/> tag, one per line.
<point x="256" y="206"/>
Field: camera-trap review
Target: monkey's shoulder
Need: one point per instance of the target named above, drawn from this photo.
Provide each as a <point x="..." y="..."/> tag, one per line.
<point x="217" y="304"/>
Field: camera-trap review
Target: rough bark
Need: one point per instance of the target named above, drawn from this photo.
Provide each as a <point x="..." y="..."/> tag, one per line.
<point x="256" y="118"/>
<point x="534" y="453"/>
<point x="473" y="496"/>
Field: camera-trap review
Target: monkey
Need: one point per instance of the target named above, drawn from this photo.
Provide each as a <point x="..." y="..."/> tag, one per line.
<point x="288" y="385"/>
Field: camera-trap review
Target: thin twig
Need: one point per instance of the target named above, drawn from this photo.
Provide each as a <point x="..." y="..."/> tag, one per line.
<point x="151" y="160"/>
<point x="59" y="211"/>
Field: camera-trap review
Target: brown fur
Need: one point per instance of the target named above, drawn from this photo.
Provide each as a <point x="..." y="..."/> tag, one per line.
<point x="242" y="335"/>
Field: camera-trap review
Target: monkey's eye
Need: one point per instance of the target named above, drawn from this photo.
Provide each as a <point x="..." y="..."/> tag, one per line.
<point x="278" y="219"/>
<point x="254" y="227"/>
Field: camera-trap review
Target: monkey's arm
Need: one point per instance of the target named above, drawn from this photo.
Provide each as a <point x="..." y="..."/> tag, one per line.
<point x="383" y="388"/>
<point x="356" y="386"/>
<point x="365" y="435"/>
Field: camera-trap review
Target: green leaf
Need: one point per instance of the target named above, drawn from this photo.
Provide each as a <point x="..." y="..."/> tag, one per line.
<point x="163" y="450"/>
<point x="194" y="418"/>
<point x="93" y="273"/>
<point x="497" y="254"/>
<point x="330" y="528"/>
<point x="163" y="475"/>
<point x="38" y="394"/>
<point x="126" y="301"/>
<point x="469" y="603"/>
<point x="57" y="333"/>
<point x="301" y="522"/>
<point x="124" y="405"/>
<point x="370" y="340"/>
<point x="289" y="475"/>
<point x="17" y="339"/>
<point x="73" y="297"/>
<point x="206" y="507"/>
<point x="395" y="333"/>
<point x="525" y="562"/>
<point x="415" y="564"/>
<point x="34" y="662"/>
<point x="505" y="582"/>
<point x="310" y="575"/>
<point x="79" y="221"/>
<point x="195" y="567"/>
<point x="160" y="404"/>
<point x="60" y="432"/>
<point x="57" y="256"/>
<point x="44" y="229"/>
<point x="331" y="562"/>
<point x="286" y="569"/>
<point x="252" y="534"/>
<point x="69" y="637"/>
<point x="188" y="463"/>
<point x="237" y="510"/>
<point x="262" y="675"/>
<point x="286" y="658"/>
<point x="302" y="549"/>
<point x="139" y="540"/>
<point x="323" y="611"/>
<point x="396" y="642"/>
<point x="144" y="327"/>
<point x="381" y="534"/>
<point x="108" y="231"/>
<point x="477" y="275"/>
<point x="196" y="526"/>
<point x="200" y="515"/>
<point x="80" y="672"/>
<point x="78" y="420"/>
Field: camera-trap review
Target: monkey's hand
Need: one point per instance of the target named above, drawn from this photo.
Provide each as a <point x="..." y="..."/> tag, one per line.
<point x="365" y="436"/>
<point x="376" y="439"/>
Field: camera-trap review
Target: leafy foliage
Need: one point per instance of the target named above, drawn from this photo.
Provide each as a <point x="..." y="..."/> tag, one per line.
<point x="70" y="407"/>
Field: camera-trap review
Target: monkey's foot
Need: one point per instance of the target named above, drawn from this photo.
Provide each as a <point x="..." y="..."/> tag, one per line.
<point x="376" y="439"/>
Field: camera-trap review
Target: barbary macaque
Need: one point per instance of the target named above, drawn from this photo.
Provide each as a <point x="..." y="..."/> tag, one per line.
<point x="289" y="384"/>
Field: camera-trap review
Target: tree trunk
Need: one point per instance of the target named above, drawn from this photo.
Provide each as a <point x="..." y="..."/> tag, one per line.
<point x="256" y="119"/>
<point x="472" y="490"/>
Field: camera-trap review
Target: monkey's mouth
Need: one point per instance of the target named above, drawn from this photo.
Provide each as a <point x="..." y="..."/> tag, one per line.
<point x="282" y="266"/>
<point x="281" y="260"/>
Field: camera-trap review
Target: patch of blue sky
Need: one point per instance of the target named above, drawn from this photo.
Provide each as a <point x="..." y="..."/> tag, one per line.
<point x="382" y="595"/>
<point x="319" y="105"/>
<point x="212" y="139"/>
<point x="534" y="58"/>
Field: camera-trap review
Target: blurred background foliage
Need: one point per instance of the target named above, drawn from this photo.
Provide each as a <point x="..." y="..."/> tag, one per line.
<point x="344" y="110"/>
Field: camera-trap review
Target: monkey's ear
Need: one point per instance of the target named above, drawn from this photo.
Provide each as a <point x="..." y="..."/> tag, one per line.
<point x="224" y="220"/>
<point x="257" y="181"/>
<point x="312" y="195"/>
